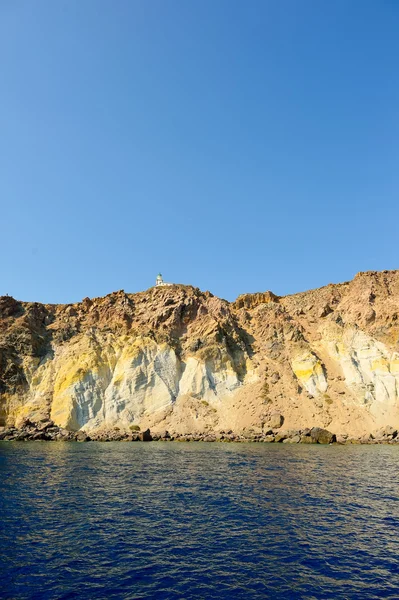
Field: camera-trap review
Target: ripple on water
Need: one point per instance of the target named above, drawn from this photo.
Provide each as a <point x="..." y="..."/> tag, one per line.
<point x="198" y="521"/>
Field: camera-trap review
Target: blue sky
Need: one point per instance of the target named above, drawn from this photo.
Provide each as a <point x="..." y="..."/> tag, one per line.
<point x="237" y="146"/>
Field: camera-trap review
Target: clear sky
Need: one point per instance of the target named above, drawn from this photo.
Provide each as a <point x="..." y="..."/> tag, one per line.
<point x="238" y="146"/>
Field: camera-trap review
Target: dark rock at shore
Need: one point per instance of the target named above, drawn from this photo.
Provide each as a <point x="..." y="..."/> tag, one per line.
<point x="46" y="430"/>
<point x="81" y="436"/>
<point x="386" y="433"/>
<point x="145" y="436"/>
<point x="322" y="436"/>
<point x="41" y="431"/>
<point x="307" y="439"/>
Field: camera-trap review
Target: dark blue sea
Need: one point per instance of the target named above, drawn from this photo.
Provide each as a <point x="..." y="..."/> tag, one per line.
<point x="196" y="520"/>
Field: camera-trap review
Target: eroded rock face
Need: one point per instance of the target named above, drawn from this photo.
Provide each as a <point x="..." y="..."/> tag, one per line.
<point x="178" y="359"/>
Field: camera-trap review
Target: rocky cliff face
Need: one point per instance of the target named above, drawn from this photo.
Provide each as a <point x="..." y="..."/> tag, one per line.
<point x="179" y="359"/>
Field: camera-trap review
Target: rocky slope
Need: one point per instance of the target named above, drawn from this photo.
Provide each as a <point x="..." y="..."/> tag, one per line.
<point x="180" y="359"/>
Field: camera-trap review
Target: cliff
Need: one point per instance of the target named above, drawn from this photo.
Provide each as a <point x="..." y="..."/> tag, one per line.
<point x="180" y="359"/>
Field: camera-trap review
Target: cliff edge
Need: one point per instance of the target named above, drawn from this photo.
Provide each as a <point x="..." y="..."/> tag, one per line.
<point x="180" y="359"/>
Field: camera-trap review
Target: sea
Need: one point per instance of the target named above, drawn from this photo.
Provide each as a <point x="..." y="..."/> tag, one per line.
<point x="198" y="520"/>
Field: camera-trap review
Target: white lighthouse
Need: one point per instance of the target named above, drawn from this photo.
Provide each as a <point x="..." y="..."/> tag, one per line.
<point x="160" y="282"/>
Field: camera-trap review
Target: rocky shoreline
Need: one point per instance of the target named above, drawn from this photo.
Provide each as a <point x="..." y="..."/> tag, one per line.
<point x="48" y="431"/>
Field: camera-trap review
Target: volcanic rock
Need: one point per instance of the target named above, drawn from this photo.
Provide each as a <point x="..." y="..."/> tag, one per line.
<point x="179" y="359"/>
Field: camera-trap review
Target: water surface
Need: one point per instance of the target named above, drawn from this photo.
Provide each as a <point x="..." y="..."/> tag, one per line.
<point x="169" y="520"/>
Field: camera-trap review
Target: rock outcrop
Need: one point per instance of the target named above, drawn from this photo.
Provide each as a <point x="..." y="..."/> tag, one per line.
<point x="177" y="359"/>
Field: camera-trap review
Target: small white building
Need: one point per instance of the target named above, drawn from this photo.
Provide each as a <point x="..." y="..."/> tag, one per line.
<point x="160" y="282"/>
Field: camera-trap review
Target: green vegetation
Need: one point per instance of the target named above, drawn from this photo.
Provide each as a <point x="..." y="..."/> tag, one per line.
<point x="134" y="428"/>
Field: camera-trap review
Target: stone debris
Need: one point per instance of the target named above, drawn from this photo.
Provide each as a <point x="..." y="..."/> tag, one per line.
<point x="47" y="431"/>
<point x="276" y="421"/>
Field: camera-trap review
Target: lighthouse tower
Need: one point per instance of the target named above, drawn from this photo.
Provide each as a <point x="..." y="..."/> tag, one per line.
<point x="160" y="282"/>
